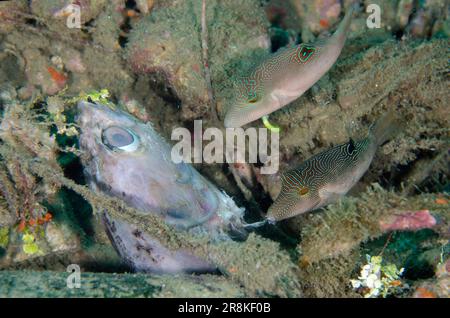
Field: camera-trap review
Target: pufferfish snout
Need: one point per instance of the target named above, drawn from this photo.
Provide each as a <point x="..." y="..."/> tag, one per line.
<point x="127" y="159"/>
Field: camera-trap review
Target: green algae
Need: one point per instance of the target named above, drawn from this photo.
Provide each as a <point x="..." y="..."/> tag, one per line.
<point x="4" y="237"/>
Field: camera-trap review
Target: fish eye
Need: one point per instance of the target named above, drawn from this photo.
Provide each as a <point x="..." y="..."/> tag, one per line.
<point x="252" y="97"/>
<point x="253" y="100"/>
<point x="305" y="53"/>
<point x="117" y="138"/>
<point x="303" y="191"/>
<point x="351" y="146"/>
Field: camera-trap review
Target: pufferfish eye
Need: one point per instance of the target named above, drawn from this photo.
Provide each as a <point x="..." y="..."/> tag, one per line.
<point x="253" y="99"/>
<point x="303" y="191"/>
<point x="117" y="138"/>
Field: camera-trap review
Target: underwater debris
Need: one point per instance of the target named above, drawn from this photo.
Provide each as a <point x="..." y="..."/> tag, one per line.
<point x="25" y="133"/>
<point x="378" y="279"/>
<point x="277" y="279"/>
<point x="260" y="266"/>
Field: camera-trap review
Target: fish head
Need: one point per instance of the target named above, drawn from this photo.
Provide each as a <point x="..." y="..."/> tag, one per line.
<point x="126" y="158"/>
<point x="114" y="149"/>
<point x="251" y="101"/>
<point x="292" y="201"/>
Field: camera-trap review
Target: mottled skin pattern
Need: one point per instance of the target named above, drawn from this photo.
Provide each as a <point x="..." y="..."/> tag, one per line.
<point x="327" y="176"/>
<point x="143" y="175"/>
<point x="284" y="77"/>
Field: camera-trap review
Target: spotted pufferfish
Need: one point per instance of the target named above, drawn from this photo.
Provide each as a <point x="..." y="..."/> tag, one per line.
<point x="284" y="76"/>
<point x="327" y="176"/>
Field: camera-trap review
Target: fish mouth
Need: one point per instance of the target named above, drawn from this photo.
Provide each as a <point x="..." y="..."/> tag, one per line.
<point x="237" y="232"/>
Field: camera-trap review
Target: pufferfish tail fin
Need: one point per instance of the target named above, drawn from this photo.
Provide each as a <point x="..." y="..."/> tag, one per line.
<point x="386" y="127"/>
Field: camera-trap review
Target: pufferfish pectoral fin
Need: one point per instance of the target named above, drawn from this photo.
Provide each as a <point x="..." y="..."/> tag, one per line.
<point x="281" y="97"/>
<point x="330" y="195"/>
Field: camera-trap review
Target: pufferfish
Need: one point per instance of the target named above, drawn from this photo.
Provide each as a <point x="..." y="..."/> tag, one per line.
<point x="327" y="176"/>
<point x="284" y="76"/>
